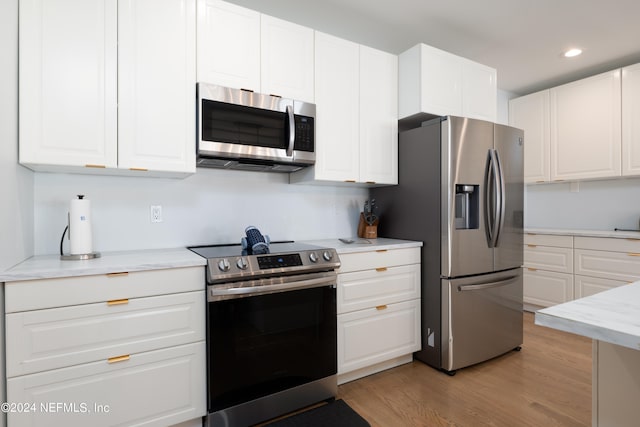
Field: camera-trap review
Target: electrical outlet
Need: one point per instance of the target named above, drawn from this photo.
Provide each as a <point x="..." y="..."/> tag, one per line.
<point x="156" y="213"/>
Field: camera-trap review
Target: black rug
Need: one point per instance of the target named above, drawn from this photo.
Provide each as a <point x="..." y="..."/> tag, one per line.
<point x="333" y="414"/>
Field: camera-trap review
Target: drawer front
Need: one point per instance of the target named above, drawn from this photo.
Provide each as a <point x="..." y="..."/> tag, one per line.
<point x="620" y="266"/>
<point x="548" y="240"/>
<point x="54" y="338"/>
<point x="378" y="259"/>
<point x="585" y="286"/>
<point x="64" y="291"/>
<point x="608" y="244"/>
<point x="158" y="388"/>
<point x="368" y="289"/>
<point x="548" y="258"/>
<point x="547" y="288"/>
<point x="373" y="336"/>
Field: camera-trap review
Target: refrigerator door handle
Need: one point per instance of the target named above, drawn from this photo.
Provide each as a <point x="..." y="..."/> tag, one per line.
<point x="493" y="198"/>
<point x="489" y="285"/>
<point x="501" y="200"/>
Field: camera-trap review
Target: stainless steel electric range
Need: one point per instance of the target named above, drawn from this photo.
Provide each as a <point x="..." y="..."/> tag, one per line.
<point x="271" y="330"/>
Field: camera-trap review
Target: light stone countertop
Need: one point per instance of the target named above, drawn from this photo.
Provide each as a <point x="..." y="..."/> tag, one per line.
<point x="364" y="245"/>
<point x="585" y="233"/>
<point x="50" y="266"/>
<point x="612" y="316"/>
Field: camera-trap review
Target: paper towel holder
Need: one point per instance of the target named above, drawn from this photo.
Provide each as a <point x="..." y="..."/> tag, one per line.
<point x="74" y="257"/>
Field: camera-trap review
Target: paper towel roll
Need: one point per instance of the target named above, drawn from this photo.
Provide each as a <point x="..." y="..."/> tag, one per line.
<point x="80" y="226"/>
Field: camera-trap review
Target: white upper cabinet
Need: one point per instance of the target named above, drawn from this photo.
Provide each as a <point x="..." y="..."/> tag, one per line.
<point x="108" y="86"/>
<point x="531" y="114"/>
<point x="631" y="120"/>
<point x="378" y="117"/>
<point x="228" y="45"/>
<point x="439" y="83"/>
<point x="356" y="114"/>
<point x="337" y="109"/>
<point x="586" y="128"/>
<point x="287" y="59"/>
<point x="68" y="83"/>
<point x="156" y="85"/>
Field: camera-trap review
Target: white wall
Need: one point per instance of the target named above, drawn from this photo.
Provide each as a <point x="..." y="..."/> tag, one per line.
<point x="598" y="205"/>
<point x="16" y="182"/>
<point x="212" y="206"/>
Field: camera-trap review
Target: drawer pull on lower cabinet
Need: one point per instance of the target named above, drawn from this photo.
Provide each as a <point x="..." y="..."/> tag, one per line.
<point x="118" y="359"/>
<point x="381" y="269"/>
<point x="124" y="273"/>
<point x="118" y="301"/>
<point x="381" y="307"/>
<point x="381" y="250"/>
<point x="633" y="254"/>
<point x="532" y="269"/>
<point x="532" y="246"/>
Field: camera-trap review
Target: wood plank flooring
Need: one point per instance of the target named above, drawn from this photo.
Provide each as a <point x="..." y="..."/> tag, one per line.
<point x="548" y="383"/>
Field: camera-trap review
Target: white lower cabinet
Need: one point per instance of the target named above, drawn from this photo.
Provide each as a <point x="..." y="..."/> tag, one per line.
<point x="585" y="286"/>
<point x="378" y="311"/>
<point x="156" y="388"/>
<point x="122" y="349"/>
<point x="546" y="288"/>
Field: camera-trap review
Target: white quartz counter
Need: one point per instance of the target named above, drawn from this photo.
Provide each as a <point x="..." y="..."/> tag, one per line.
<point x="612" y="316"/>
<point x="585" y="233"/>
<point x="50" y="266"/>
<point x="364" y="245"/>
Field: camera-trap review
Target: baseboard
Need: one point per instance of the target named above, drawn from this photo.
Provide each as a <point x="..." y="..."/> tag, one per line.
<point x="378" y="367"/>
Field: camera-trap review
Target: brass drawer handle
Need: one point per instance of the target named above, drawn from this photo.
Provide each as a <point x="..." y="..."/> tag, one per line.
<point x="633" y="254"/>
<point x="632" y="239"/>
<point x="118" y="301"/>
<point x="532" y="269"/>
<point x="139" y="169"/>
<point x="95" y="166"/>
<point x="381" y="307"/>
<point x="532" y="246"/>
<point x="124" y="273"/>
<point x="381" y="250"/>
<point x="118" y="359"/>
<point x="350" y="180"/>
<point x="381" y="269"/>
<point x="370" y="182"/>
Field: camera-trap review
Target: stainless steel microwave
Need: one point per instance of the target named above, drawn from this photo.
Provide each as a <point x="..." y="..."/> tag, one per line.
<point x="240" y="129"/>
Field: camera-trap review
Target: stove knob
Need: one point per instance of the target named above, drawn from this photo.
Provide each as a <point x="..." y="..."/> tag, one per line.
<point x="242" y="264"/>
<point x="224" y="265"/>
<point x="327" y="255"/>
<point x="313" y="257"/>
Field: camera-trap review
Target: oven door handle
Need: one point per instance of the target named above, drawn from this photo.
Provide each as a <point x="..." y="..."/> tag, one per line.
<point x="214" y="294"/>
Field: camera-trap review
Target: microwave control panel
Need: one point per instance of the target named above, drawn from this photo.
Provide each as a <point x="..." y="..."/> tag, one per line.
<point x="304" y="133"/>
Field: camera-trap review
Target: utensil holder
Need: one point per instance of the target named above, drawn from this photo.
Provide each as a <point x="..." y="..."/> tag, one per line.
<point x="365" y="230"/>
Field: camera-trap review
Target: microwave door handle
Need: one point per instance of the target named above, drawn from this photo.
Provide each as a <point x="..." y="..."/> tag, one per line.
<point x="292" y="130"/>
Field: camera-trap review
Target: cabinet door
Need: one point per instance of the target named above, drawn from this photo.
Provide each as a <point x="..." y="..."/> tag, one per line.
<point x="531" y="114"/>
<point x="375" y="335"/>
<point x="287" y="59"/>
<point x="441" y="82"/>
<point x="156" y="388"/>
<point x="68" y="83"/>
<point x="608" y="265"/>
<point x="378" y="116"/>
<point x="549" y="258"/>
<point x="337" y="109"/>
<point x="631" y="120"/>
<point x="586" y="128"/>
<point x="479" y="91"/>
<point x="585" y="286"/>
<point x="546" y="288"/>
<point x="228" y="45"/>
<point x="156" y="85"/>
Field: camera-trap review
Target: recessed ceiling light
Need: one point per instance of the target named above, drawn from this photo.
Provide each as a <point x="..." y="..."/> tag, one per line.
<point x="572" y="52"/>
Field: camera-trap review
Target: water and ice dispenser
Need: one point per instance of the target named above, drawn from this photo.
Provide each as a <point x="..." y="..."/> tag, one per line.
<point x="467" y="206"/>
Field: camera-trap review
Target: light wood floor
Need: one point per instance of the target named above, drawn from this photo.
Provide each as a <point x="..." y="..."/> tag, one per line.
<point x="548" y="383"/>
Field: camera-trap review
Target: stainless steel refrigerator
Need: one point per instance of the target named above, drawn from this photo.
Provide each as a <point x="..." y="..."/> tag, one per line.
<point x="460" y="191"/>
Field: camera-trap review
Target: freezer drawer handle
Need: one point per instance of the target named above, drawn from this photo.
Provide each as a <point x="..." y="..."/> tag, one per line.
<point x="489" y="285"/>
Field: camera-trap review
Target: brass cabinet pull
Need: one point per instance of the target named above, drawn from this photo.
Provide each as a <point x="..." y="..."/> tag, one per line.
<point x="139" y="169"/>
<point x="381" y="269"/>
<point x="381" y="250"/>
<point x="632" y="239"/>
<point x="370" y="182"/>
<point x="381" y="307"/>
<point x="633" y="254"/>
<point x="118" y="358"/>
<point x="124" y="273"/>
<point x="532" y="246"/>
<point x="532" y="269"/>
<point x="350" y="180"/>
<point x="118" y="301"/>
<point x="532" y="234"/>
<point x="95" y="166"/>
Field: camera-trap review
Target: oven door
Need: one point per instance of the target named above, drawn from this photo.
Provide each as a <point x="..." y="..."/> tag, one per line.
<point x="266" y="343"/>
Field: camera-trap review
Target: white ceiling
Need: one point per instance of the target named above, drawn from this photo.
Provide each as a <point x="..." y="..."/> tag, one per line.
<point x="522" y="39"/>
